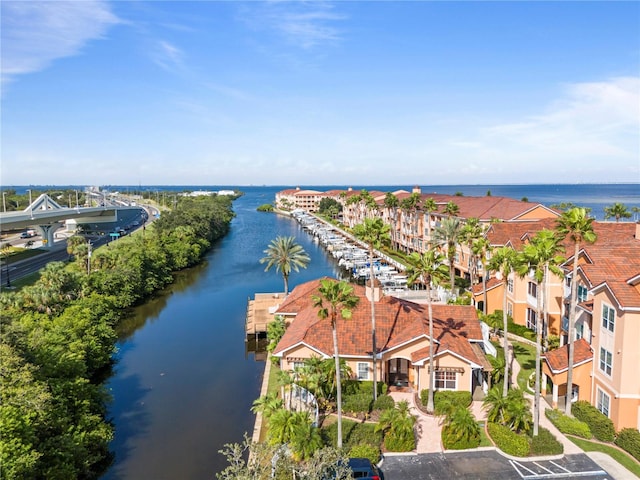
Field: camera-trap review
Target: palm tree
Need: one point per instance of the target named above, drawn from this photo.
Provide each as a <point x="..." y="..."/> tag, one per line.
<point x="397" y="422"/>
<point x="540" y="255"/>
<point x="306" y="440"/>
<point x="618" y="211"/>
<point x="428" y="268"/>
<point x="503" y="260"/>
<point x="335" y="297"/>
<point x="496" y="405"/>
<point x="429" y="206"/>
<point x="576" y="224"/>
<point x="451" y="209"/>
<point x="375" y="233"/>
<point x="481" y="247"/>
<point x="448" y="233"/>
<point x="470" y="232"/>
<point x="460" y="424"/>
<point x="267" y="405"/>
<point x="285" y="254"/>
<point x="283" y="425"/>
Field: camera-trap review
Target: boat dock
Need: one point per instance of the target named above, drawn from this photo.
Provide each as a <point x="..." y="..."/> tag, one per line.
<point x="260" y="311"/>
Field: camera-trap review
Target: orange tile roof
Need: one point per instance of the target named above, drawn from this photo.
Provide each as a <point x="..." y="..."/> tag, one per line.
<point x="397" y="322"/>
<point x="558" y="359"/>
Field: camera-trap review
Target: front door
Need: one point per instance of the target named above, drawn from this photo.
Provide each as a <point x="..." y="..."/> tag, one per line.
<point x="398" y="369"/>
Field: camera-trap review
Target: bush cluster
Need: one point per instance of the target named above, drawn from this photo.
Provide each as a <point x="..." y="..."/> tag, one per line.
<point x="629" y="440"/>
<point x="358" y="403"/>
<point x="365" y="450"/>
<point x="397" y="443"/>
<point x="565" y="424"/>
<point x="446" y="400"/>
<point x="384" y="402"/>
<point x="353" y="387"/>
<point x="601" y="427"/>
<point x="521" y="330"/>
<point x="353" y="433"/>
<point x="545" y="444"/>
<point x="508" y="441"/>
<point x="450" y="442"/>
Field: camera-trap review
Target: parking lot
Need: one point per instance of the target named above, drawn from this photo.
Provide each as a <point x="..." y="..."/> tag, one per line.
<point x="487" y="465"/>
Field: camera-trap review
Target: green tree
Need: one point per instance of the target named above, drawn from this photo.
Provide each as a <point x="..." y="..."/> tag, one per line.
<point x="578" y="226"/>
<point x="306" y="441"/>
<point x="335" y="299"/>
<point x="285" y="255"/>
<point x="451" y="209"/>
<point x="283" y="424"/>
<point x="503" y="261"/>
<point x="429" y="206"/>
<point x="375" y="233"/>
<point x="617" y="211"/>
<point x="448" y="235"/>
<point x="481" y="248"/>
<point x="428" y="268"/>
<point x="267" y="405"/>
<point x="540" y="256"/>
<point x="329" y="206"/>
<point x="470" y="233"/>
<point x="397" y="424"/>
<point x="461" y="425"/>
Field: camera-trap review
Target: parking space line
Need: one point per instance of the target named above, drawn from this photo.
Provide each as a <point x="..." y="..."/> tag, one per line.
<point x="559" y="466"/>
<point x="544" y="468"/>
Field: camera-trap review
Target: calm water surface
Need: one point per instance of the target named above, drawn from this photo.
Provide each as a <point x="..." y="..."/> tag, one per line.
<point x="183" y="385"/>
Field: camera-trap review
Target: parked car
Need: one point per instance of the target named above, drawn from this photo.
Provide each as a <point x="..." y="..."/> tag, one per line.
<point x="363" y="469"/>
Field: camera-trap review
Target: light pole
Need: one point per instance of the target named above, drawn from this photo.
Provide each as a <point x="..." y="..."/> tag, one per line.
<point x="30" y="206"/>
<point x="4" y="202"/>
<point x="88" y="257"/>
<point x="77" y="206"/>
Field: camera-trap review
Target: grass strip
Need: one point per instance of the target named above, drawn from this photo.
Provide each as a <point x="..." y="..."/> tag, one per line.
<point x="526" y="357"/>
<point x="619" y="456"/>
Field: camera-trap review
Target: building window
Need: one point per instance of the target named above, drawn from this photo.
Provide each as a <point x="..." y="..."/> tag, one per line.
<point x="510" y="285"/>
<point x="606" y="360"/>
<point x="602" y="402"/>
<point x="531" y="319"/>
<point x="363" y="371"/>
<point x="608" y="317"/>
<point x="532" y="289"/>
<point x="510" y="309"/>
<point x="582" y="293"/>
<point x="445" y="380"/>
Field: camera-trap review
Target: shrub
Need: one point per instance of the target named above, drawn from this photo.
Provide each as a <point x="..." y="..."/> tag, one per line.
<point x="446" y="401"/>
<point x="545" y="443"/>
<point x="353" y="387"/>
<point x="565" y="424"/>
<point x="357" y="403"/>
<point x="601" y="427"/>
<point x="384" y="402"/>
<point x="521" y="330"/>
<point x="397" y="443"/>
<point x="353" y="433"/>
<point x="450" y="442"/>
<point x="364" y="450"/>
<point x="507" y="441"/>
<point x="629" y="439"/>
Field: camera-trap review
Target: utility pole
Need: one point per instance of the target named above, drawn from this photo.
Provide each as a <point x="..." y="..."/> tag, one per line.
<point x="88" y="257"/>
<point x="4" y="202"/>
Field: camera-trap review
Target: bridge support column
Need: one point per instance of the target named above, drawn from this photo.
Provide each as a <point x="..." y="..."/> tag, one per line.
<point x="47" y="231"/>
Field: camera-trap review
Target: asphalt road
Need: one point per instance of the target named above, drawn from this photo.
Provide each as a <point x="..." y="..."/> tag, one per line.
<point x="487" y="465"/>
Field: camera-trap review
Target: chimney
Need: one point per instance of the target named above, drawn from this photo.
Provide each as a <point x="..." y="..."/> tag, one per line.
<point x="297" y="188"/>
<point x="350" y="189"/>
<point x="416" y="189"/>
<point x="637" y="235"/>
<point x="376" y="293"/>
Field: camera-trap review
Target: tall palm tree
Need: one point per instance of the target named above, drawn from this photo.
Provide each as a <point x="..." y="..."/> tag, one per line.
<point x="335" y="298"/>
<point x="540" y="255"/>
<point x="375" y="233"/>
<point x="429" y="206"/>
<point x="574" y="223"/>
<point x="285" y="255"/>
<point x="481" y="247"/>
<point x="428" y="268"/>
<point x="392" y="203"/>
<point x="618" y="211"/>
<point x="470" y="232"/>
<point x="448" y="233"/>
<point x="451" y="209"/>
<point x="503" y="260"/>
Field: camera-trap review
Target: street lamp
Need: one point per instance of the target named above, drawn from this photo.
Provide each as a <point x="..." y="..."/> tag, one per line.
<point x="4" y="202"/>
<point x="30" y="206"/>
<point x="77" y="200"/>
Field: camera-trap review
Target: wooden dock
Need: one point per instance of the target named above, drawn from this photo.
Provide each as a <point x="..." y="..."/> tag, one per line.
<point x="260" y="311"/>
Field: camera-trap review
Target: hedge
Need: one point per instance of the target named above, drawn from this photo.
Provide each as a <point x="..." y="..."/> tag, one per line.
<point x="396" y="443"/>
<point x="353" y="433"/>
<point x="629" y="440"/>
<point x="545" y="444"/>
<point x="361" y="402"/>
<point x="569" y="425"/>
<point x="354" y="387"/>
<point x="507" y="441"/>
<point x="384" y="402"/>
<point x="450" y="443"/>
<point x="446" y="400"/>
<point x="364" y="450"/>
<point x="601" y="427"/>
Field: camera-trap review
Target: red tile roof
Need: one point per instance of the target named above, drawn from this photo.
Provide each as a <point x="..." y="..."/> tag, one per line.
<point x="558" y="359"/>
<point x="397" y="322"/>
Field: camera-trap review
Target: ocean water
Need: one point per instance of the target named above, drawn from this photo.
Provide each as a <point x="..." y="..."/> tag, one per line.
<point x="591" y="195"/>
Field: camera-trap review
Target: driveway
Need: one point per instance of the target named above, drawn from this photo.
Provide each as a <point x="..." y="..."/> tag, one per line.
<point x="487" y="465"/>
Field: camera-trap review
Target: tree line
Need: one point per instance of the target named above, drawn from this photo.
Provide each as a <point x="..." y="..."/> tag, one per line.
<point x="58" y="336"/>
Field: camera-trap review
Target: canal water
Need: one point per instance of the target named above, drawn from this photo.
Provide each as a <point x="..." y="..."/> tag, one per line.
<point x="184" y="384"/>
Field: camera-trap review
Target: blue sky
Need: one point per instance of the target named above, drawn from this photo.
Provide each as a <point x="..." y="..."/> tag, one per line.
<point x="316" y="93"/>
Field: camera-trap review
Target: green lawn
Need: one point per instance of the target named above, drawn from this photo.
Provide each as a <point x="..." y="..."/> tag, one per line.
<point x="622" y="458"/>
<point x="484" y="439"/>
<point x="526" y="357"/>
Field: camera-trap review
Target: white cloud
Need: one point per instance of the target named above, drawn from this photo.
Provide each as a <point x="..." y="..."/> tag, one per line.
<point x="36" y="33"/>
<point x="168" y="56"/>
<point x="303" y="24"/>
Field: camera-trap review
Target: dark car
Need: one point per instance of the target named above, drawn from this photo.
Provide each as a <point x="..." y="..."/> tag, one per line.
<point x="363" y="469"/>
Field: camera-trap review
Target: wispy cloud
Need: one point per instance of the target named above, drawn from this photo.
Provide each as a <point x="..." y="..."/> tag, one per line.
<point x="168" y="56"/>
<point x="36" y="33"/>
<point x="302" y="24"/>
